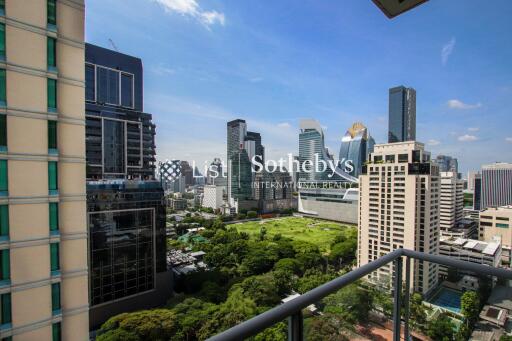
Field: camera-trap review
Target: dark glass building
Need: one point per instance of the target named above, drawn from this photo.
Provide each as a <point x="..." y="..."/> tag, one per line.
<point x="125" y="204"/>
<point x="402" y="114"/>
<point x="120" y="137"/>
<point x="240" y="150"/>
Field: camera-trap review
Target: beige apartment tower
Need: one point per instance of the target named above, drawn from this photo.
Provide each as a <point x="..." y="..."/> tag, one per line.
<point x="43" y="239"/>
<point x="399" y="208"/>
<point x="497" y="221"/>
<point x="451" y="200"/>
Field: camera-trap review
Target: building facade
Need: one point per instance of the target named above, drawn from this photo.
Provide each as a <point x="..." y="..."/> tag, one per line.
<point x="125" y="204"/>
<point x="497" y="221"/>
<point x="402" y="114"/>
<point x="120" y="136"/>
<point x="43" y="231"/>
<point x="239" y="151"/>
<point x="470" y="250"/>
<point x="213" y="196"/>
<point x="447" y="164"/>
<point x="398" y="208"/>
<point x="451" y="200"/>
<point x="356" y="146"/>
<point x="496" y="185"/>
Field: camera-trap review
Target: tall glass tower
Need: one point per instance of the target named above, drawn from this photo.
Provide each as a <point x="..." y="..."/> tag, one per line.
<point x="402" y="114"/>
<point x="356" y="146"/>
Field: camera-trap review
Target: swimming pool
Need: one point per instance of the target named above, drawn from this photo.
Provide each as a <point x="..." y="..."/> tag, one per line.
<point x="447" y="298"/>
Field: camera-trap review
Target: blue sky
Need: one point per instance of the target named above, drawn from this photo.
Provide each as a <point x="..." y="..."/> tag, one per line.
<point x="275" y="62"/>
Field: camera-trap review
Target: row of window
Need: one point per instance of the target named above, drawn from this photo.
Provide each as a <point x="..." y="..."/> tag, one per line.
<point x="109" y="86"/>
<point x="6" y="312"/>
<point x="52" y="135"/>
<point x="53" y="223"/>
<point x="52" y="178"/>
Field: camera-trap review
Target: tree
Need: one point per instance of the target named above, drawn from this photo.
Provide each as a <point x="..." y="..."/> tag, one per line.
<point x="252" y="214"/>
<point x="328" y="327"/>
<point x="441" y="329"/>
<point x="470" y="306"/>
<point x="192" y="314"/>
<point x="312" y="278"/>
<point x="261" y="289"/>
<point x="418" y="313"/>
<point x="288" y="264"/>
<point x="352" y="303"/>
<point x="279" y="332"/>
<point x="156" y="324"/>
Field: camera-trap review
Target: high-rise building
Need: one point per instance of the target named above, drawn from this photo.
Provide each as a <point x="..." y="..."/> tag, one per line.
<point x="125" y="204"/>
<point x="356" y="146"/>
<point x="471" y="180"/>
<point x="451" y="200"/>
<point x="496" y="185"/>
<point x="242" y="146"/>
<point x="497" y="221"/>
<point x="477" y="192"/>
<point x="402" y="114"/>
<point x="43" y="226"/>
<point x="398" y="208"/>
<point x="447" y="163"/>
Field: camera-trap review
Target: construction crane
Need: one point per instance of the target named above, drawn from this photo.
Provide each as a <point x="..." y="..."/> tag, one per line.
<point x="113" y="44"/>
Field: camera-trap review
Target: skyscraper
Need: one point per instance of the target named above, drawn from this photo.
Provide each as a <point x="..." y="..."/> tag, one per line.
<point x="496" y="185"/>
<point x="242" y="146"/>
<point x="125" y="204"/>
<point x="398" y="208"/>
<point x="356" y="146"/>
<point x="447" y="164"/>
<point x="402" y="114"/>
<point x="43" y="225"/>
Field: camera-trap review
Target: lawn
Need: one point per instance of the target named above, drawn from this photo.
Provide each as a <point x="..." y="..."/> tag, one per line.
<point x="319" y="232"/>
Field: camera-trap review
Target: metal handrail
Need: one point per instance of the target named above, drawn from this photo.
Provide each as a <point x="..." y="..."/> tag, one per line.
<point x="294" y="307"/>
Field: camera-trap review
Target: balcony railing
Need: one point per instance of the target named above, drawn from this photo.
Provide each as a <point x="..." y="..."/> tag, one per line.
<point x="293" y="309"/>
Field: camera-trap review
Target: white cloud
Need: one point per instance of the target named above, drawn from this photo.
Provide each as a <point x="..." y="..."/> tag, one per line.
<point x="284" y="125"/>
<point x="192" y="9"/>
<point x="163" y="70"/>
<point x="447" y="50"/>
<point x="473" y="129"/>
<point x="433" y="142"/>
<point x="508" y="139"/>
<point x="467" y="138"/>
<point x="457" y="104"/>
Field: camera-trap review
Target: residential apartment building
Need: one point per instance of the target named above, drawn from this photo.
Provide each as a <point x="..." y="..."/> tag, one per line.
<point x="399" y="208"/>
<point x="470" y="250"/>
<point x="125" y="204"/>
<point x="451" y="200"/>
<point x="497" y="221"/>
<point x="496" y="185"/>
<point x="43" y="231"/>
<point x="213" y="196"/>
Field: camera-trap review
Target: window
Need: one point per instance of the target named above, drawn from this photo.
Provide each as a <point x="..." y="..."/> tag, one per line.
<point x="56" y="298"/>
<point x="3" y="92"/>
<point x="56" y="334"/>
<point x="3" y="131"/>
<point x="90" y="85"/>
<point x="52" y="176"/>
<point x="107" y="83"/>
<point x="3" y="177"/>
<point x="54" y="216"/>
<point x="4" y="221"/>
<point x="54" y="257"/>
<point x="5" y="317"/>
<point x="5" y="265"/>
<point x="126" y="90"/>
<point x="2" y="41"/>
<point x="504" y="226"/>
<point x="51" y="53"/>
<point x="114" y="146"/>
<point x="52" y="135"/>
<point x="52" y="94"/>
<point x="2" y="7"/>
<point x="51" y="12"/>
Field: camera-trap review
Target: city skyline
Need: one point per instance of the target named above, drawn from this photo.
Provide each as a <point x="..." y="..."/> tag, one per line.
<point x="272" y="72"/>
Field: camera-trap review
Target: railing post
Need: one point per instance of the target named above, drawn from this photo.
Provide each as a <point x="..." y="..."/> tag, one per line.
<point x="406" y="297"/>
<point x="296" y="327"/>
<point x="397" y="319"/>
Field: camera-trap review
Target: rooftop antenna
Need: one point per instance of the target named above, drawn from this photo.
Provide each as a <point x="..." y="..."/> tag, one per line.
<point x="113" y="44"/>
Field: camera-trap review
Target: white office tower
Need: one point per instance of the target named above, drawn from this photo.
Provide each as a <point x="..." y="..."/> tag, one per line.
<point x="398" y="208"/>
<point x="496" y="185"/>
<point x="451" y="200"/>
<point x="213" y="196"/>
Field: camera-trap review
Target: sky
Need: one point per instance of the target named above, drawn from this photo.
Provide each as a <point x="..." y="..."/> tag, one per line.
<point x="275" y="62"/>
